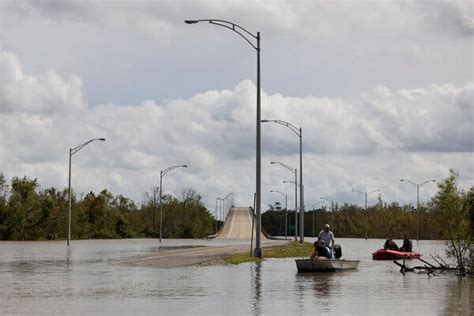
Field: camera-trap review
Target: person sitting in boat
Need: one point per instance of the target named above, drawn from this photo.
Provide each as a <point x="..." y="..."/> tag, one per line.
<point x="407" y="245"/>
<point x="320" y="250"/>
<point x="328" y="237"/>
<point x="390" y="245"/>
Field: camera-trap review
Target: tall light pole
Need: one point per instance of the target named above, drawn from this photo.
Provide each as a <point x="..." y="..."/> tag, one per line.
<point x="222" y="211"/>
<point x="366" y="209"/>
<point x="286" y="210"/>
<point x="249" y="37"/>
<point x="217" y="215"/>
<point x="162" y="173"/>
<point x="299" y="132"/>
<point x="296" y="207"/>
<point x="295" y="172"/>
<point x="221" y="202"/>
<point x="72" y="151"/>
<point x="226" y="207"/>
<point x="417" y="186"/>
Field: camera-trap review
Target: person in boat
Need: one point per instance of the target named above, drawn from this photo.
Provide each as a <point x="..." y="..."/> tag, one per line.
<point x="328" y="237"/>
<point x="407" y="244"/>
<point x="390" y="245"/>
<point x="320" y="250"/>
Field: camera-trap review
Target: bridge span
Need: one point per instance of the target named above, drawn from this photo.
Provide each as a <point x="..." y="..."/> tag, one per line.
<point x="238" y="225"/>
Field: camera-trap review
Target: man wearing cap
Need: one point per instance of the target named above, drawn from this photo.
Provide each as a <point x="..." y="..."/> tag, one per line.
<point x="327" y="236"/>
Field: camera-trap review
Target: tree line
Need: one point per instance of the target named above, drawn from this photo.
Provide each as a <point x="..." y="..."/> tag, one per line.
<point x="30" y="213"/>
<point x="451" y="210"/>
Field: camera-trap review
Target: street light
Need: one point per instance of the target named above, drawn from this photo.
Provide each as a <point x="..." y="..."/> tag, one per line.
<point x="249" y="37"/>
<point x="366" y="209"/>
<point x="286" y="210"/>
<point x="417" y="186"/>
<point x="217" y="216"/>
<point x="221" y="207"/>
<point x="226" y="208"/>
<point x="295" y="172"/>
<point x="296" y="207"/>
<point x="162" y="173"/>
<point x="299" y="132"/>
<point x="72" y="151"/>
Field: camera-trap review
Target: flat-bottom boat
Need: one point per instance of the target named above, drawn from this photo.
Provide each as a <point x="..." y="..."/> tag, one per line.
<point x="386" y="254"/>
<point x="321" y="264"/>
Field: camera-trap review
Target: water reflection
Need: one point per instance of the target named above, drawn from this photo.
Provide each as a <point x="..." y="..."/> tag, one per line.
<point x="68" y="256"/>
<point x="315" y="287"/>
<point x="48" y="278"/>
<point x="322" y="283"/>
<point x="460" y="297"/>
<point x="257" y="289"/>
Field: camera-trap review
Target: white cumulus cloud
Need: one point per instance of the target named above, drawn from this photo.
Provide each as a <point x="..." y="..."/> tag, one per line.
<point x="365" y="143"/>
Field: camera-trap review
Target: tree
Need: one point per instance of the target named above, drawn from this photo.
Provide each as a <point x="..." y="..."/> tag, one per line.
<point x="452" y="208"/>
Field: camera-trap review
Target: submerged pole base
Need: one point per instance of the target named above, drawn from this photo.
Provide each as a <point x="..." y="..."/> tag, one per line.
<point x="257" y="253"/>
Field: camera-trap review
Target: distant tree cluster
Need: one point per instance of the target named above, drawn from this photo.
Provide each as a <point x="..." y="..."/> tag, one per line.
<point x="450" y="213"/>
<point x="28" y="213"/>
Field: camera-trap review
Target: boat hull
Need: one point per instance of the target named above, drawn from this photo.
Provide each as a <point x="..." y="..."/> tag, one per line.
<point x="325" y="265"/>
<point x="385" y="254"/>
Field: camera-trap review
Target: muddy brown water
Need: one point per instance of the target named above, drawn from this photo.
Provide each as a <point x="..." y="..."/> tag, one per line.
<point x="44" y="278"/>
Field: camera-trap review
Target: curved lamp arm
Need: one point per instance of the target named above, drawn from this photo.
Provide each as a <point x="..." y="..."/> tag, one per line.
<point x="231" y="26"/>
<point x="367" y="192"/>
<point x="409" y="181"/>
<point x="417" y="185"/>
<point x="165" y="171"/>
<point x="293" y="170"/>
<point x="77" y="148"/>
<point x="276" y="191"/>
<point x="295" y="129"/>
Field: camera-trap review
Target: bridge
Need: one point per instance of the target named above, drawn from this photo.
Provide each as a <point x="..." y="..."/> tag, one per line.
<point x="238" y="225"/>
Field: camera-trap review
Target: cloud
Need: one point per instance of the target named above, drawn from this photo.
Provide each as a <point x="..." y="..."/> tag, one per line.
<point x="449" y="17"/>
<point x="365" y="143"/>
<point x="290" y="17"/>
<point x="46" y="93"/>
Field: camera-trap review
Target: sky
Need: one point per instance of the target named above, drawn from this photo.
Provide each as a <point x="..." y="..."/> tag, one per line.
<point x="383" y="90"/>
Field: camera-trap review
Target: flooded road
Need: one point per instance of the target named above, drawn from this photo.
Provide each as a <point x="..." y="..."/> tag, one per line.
<point x="50" y="278"/>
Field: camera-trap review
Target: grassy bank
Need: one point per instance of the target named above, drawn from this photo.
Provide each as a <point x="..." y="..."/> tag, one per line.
<point x="293" y="249"/>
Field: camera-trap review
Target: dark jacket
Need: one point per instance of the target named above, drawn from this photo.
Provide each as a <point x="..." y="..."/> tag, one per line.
<point x="390" y="245"/>
<point x="407" y="245"/>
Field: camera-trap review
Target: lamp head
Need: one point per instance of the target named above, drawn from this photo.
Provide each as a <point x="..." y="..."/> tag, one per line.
<point x="184" y="166"/>
<point x="191" y="21"/>
<point x="264" y="121"/>
<point x="402" y="180"/>
<point x="101" y="139"/>
<point x="272" y="162"/>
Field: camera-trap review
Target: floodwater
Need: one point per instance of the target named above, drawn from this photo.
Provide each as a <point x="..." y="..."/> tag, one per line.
<point x="50" y="278"/>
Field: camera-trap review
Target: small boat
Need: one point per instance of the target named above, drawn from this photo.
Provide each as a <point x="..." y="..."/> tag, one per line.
<point x="322" y="264"/>
<point x="386" y="254"/>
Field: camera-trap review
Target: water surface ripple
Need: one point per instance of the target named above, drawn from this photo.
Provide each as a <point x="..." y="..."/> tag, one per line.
<point x="50" y="278"/>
